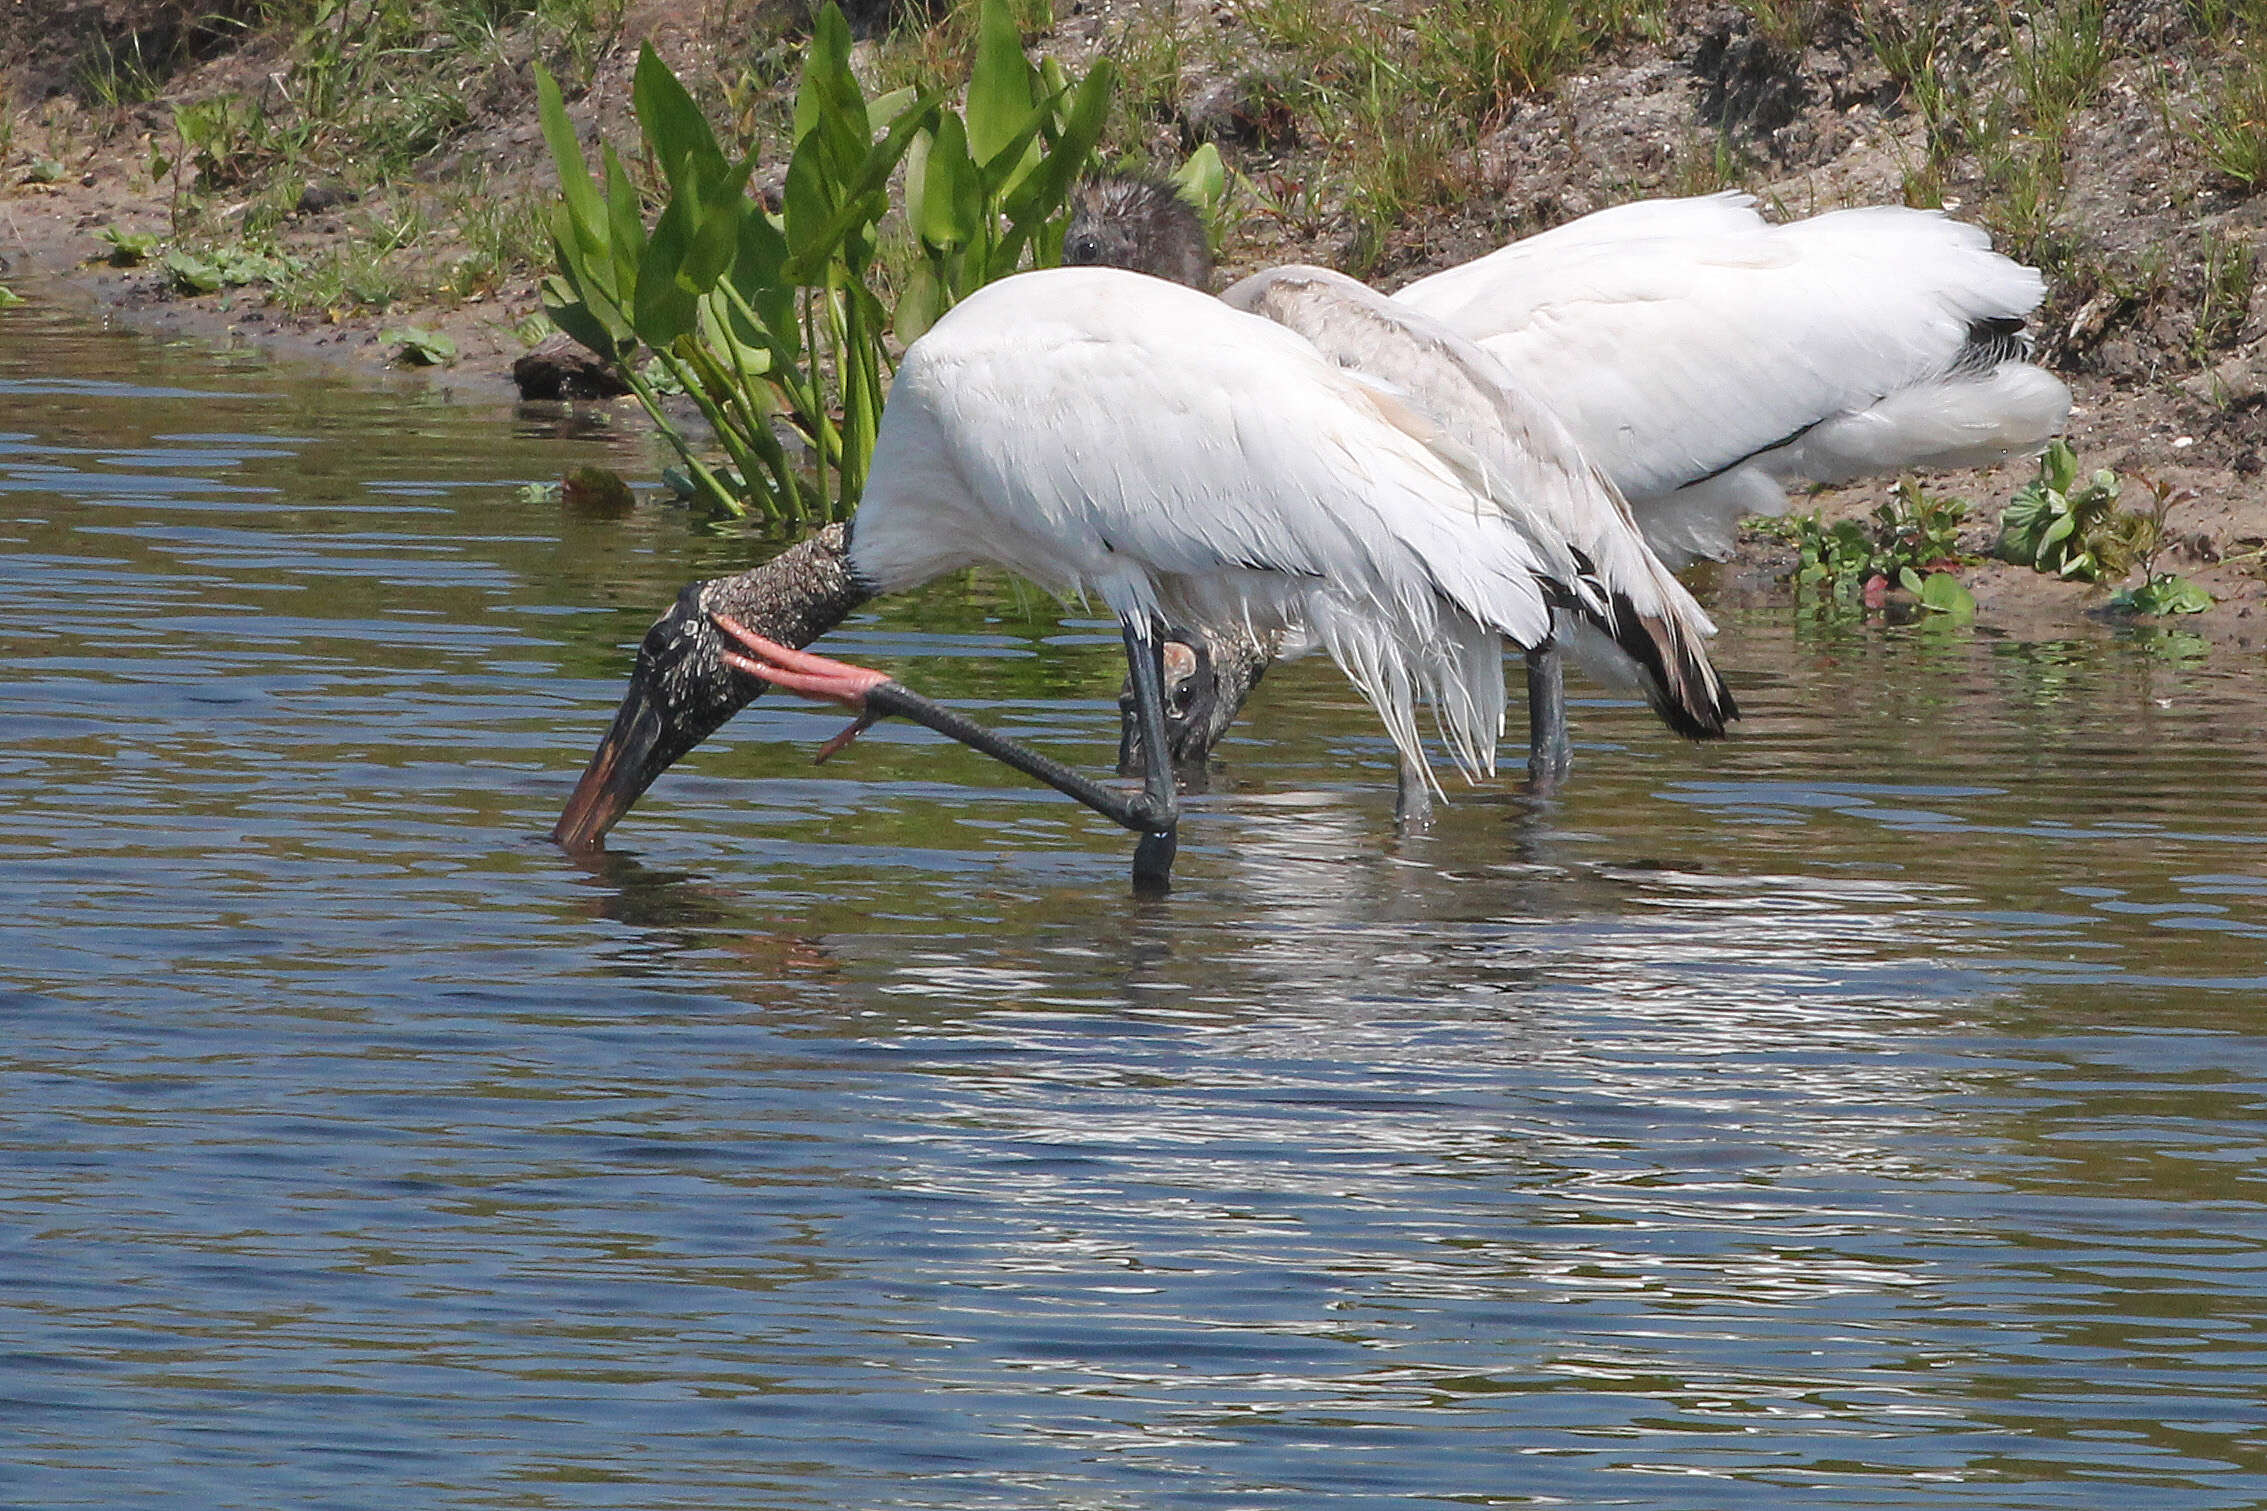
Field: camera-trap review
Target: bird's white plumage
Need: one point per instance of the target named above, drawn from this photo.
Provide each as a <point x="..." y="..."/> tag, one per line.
<point x="1474" y="413"/>
<point x="1704" y="358"/>
<point x="1101" y="431"/>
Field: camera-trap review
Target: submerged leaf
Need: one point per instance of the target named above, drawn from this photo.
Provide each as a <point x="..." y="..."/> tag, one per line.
<point x="1944" y="593"/>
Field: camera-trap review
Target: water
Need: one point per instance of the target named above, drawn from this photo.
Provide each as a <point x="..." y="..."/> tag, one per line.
<point x="1867" y="1113"/>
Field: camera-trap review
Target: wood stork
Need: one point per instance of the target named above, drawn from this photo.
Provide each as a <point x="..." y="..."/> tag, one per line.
<point x="1705" y="359"/>
<point x="1301" y="455"/>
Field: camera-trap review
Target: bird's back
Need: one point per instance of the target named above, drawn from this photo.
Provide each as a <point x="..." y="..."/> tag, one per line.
<point x="1100" y="431"/>
<point x="1690" y="345"/>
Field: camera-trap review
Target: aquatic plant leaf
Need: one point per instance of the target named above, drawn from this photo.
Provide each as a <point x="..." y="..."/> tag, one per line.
<point x="952" y="199"/>
<point x="419" y="347"/>
<point x="190" y="273"/>
<point x="999" y="84"/>
<point x="1943" y="593"/>
<point x="675" y="129"/>
<point x="1044" y="192"/>
<point x="918" y="305"/>
<point x="1203" y="179"/>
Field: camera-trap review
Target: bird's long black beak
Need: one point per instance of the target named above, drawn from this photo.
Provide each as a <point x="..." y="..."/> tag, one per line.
<point x="680" y="693"/>
<point x="619" y="772"/>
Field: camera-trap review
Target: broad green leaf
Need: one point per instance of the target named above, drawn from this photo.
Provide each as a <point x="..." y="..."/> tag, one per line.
<point x="757" y="277"/>
<point x="827" y="57"/>
<point x="2058" y="466"/>
<point x="1203" y="179"/>
<point x="999" y="83"/>
<point x="1004" y="170"/>
<point x="882" y="110"/>
<point x="575" y="186"/>
<point x="2164" y="595"/>
<point x="866" y="200"/>
<point x="1946" y="594"/>
<point x="419" y="347"/>
<point x="831" y="117"/>
<point x="1909" y="580"/>
<point x="919" y="305"/>
<point x="674" y="127"/>
<point x="576" y="318"/>
<point x="666" y="306"/>
<point x="2057" y="531"/>
<point x="1055" y="85"/>
<point x="724" y="204"/>
<point x="191" y="274"/>
<point x="808" y="202"/>
<point x="952" y="202"/>
<point x="1043" y="194"/>
<point x="626" y="228"/>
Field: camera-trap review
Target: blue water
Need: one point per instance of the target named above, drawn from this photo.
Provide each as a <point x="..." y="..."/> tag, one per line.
<point x="1867" y="1113"/>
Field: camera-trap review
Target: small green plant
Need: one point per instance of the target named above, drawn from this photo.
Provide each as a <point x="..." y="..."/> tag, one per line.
<point x="1911" y="541"/>
<point x="9" y="298"/>
<point x="2230" y="269"/>
<point x="2162" y="595"/>
<point x="2230" y="128"/>
<point x="2058" y="57"/>
<point x="761" y="317"/>
<point x="2070" y="528"/>
<point x="2159" y="592"/>
<point x="128" y="249"/>
<point x="415" y="346"/>
<point x="224" y="267"/>
<point x="2076" y="530"/>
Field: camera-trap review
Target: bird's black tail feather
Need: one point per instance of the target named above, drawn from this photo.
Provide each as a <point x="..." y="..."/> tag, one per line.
<point x="1670" y="657"/>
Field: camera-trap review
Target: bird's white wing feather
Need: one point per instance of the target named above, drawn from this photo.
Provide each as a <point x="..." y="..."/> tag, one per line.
<point x="1471" y="411"/>
<point x="1684" y="341"/>
<point x="1098" y="430"/>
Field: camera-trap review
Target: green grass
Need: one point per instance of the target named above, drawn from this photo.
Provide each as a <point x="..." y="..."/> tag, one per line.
<point x="1396" y="93"/>
<point x="2057" y="58"/>
<point x="2231" y="268"/>
<point x="2229" y="129"/>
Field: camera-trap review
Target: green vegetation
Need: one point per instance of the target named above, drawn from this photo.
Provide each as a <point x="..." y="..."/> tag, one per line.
<point x="222" y="268"/>
<point x="1910" y="541"/>
<point x="2072" y="529"/>
<point x="2075" y="529"/>
<point x="1397" y="95"/>
<point x="2229" y="125"/>
<point x="415" y="346"/>
<point x="128" y="249"/>
<point x="9" y="298"/>
<point x="756" y="316"/>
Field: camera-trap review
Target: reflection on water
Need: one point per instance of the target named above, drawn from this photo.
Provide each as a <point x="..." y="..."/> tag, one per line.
<point x="1865" y="1113"/>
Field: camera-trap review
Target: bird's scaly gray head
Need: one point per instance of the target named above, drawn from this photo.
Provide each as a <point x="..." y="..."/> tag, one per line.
<point x="1138" y="223"/>
<point x="681" y="692"/>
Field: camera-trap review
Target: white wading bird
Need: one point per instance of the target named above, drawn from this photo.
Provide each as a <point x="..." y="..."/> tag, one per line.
<point x="1341" y="469"/>
<point x="1705" y="359"/>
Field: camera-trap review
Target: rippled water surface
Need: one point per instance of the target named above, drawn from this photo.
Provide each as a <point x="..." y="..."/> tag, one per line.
<point x="1865" y="1113"/>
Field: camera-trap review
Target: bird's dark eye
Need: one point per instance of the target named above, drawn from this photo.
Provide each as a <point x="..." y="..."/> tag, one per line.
<point x="1084" y="249"/>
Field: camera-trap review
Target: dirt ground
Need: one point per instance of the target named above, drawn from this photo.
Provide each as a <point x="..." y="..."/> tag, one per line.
<point x="1814" y="130"/>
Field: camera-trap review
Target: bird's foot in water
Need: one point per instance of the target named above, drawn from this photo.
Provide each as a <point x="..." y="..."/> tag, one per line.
<point x="811" y="675"/>
<point x="1547" y="770"/>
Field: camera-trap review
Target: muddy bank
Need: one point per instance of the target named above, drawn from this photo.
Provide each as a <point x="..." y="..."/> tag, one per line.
<point x="2136" y="229"/>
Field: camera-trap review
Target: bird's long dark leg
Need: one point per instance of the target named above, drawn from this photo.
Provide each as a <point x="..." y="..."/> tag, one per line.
<point x="1549" y="752"/>
<point x="1412" y="797"/>
<point x="1153" y="854"/>
<point x="874" y="696"/>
